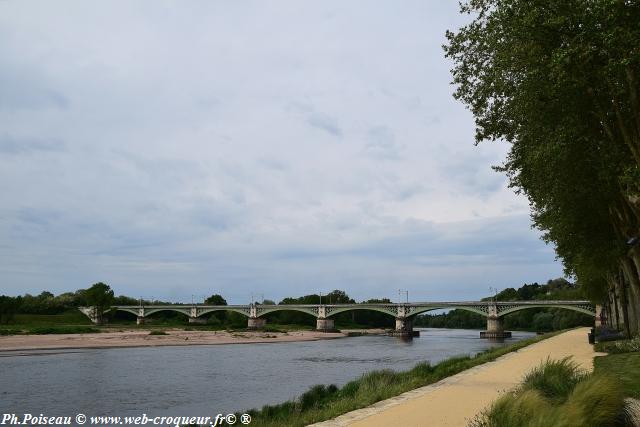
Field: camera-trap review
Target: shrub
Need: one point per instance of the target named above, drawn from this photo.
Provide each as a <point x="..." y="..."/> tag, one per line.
<point x="157" y="332"/>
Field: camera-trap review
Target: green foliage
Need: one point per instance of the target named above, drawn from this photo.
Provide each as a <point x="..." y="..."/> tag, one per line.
<point x="558" y="393"/>
<point x="559" y="82"/>
<point x="217" y="317"/>
<point x="99" y="295"/>
<point x="215" y="299"/>
<point x="543" y="322"/>
<point x="158" y="332"/>
<point x="8" y="309"/>
<point x="457" y="318"/>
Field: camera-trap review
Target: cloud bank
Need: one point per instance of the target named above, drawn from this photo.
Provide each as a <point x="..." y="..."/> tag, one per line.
<point x="173" y="150"/>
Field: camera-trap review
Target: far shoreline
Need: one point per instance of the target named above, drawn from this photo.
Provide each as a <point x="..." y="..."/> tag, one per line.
<point x="142" y="338"/>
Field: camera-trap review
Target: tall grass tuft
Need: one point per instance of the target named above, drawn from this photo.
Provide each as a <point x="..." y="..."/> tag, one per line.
<point x="554" y="379"/>
<point x="559" y="394"/>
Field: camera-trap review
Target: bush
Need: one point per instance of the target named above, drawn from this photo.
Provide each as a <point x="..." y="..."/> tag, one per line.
<point x="157" y="332"/>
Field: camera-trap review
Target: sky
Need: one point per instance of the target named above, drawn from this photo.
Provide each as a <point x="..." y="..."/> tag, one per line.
<point x="277" y="148"/>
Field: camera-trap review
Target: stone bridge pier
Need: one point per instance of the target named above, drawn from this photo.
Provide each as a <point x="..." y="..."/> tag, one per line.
<point x="323" y="323"/>
<point x="495" y="329"/>
<point x="404" y="328"/>
<point x="495" y="325"/>
<point x="256" y="323"/>
<point x="404" y="324"/>
<point x="92" y="314"/>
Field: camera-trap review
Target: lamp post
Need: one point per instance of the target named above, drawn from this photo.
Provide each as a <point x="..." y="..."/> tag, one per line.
<point x="495" y="293"/>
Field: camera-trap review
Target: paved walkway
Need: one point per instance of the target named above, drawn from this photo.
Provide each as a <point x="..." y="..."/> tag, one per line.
<point x="454" y="401"/>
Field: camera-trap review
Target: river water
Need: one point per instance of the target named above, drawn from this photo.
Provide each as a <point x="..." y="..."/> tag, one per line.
<point x="205" y="380"/>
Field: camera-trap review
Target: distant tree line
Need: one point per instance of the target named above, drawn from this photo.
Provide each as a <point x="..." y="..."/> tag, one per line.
<point x="535" y="319"/>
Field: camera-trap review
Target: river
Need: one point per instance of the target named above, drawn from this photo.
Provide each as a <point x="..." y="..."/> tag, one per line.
<point x="205" y="380"/>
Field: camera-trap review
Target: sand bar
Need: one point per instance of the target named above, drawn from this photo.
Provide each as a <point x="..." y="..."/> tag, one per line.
<point x="456" y="400"/>
<point x="141" y="338"/>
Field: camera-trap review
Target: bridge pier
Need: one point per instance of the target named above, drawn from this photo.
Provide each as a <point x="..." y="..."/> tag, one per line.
<point x="197" y="320"/>
<point x="404" y="328"/>
<point x="140" y="320"/>
<point x="495" y="328"/>
<point x="256" y="323"/>
<point x="325" y="325"/>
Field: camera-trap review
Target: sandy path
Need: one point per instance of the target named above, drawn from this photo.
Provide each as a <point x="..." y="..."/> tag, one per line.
<point x="141" y="338"/>
<point x="457" y="399"/>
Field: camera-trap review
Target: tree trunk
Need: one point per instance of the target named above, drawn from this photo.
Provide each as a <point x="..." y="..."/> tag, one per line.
<point x="633" y="302"/>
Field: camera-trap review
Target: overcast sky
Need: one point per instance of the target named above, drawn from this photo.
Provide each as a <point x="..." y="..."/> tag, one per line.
<point x="280" y="148"/>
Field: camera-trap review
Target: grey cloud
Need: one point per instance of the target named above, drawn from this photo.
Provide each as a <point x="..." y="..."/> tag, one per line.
<point x="13" y="145"/>
<point x="24" y="88"/>
<point x="381" y="144"/>
<point x="167" y="157"/>
<point x="326" y="123"/>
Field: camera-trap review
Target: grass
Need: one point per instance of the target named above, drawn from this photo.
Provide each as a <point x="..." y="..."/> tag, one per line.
<point x="624" y="368"/>
<point x="71" y="322"/>
<point x="70" y="318"/>
<point x="558" y="393"/>
<point x="325" y="402"/>
<point x="158" y="332"/>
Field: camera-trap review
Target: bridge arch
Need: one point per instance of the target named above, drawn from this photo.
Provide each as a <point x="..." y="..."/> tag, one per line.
<point x="475" y="310"/>
<point x="385" y="310"/>
<point x="149" y="311"/>
<point x="127" y="310"/>
<point x="204" y="311"/>
<point x="579" y="309"/>
<point x="266" y="309"/>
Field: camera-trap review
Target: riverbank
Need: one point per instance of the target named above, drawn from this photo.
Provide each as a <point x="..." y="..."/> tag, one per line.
<point x="456" y="400"/>
<point x="142" y="338"/>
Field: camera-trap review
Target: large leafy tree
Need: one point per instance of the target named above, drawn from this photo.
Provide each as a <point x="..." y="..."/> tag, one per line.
<point x="559" y="82"/>
<point x="217" y="316"/>
<point x="100" y="296"/>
